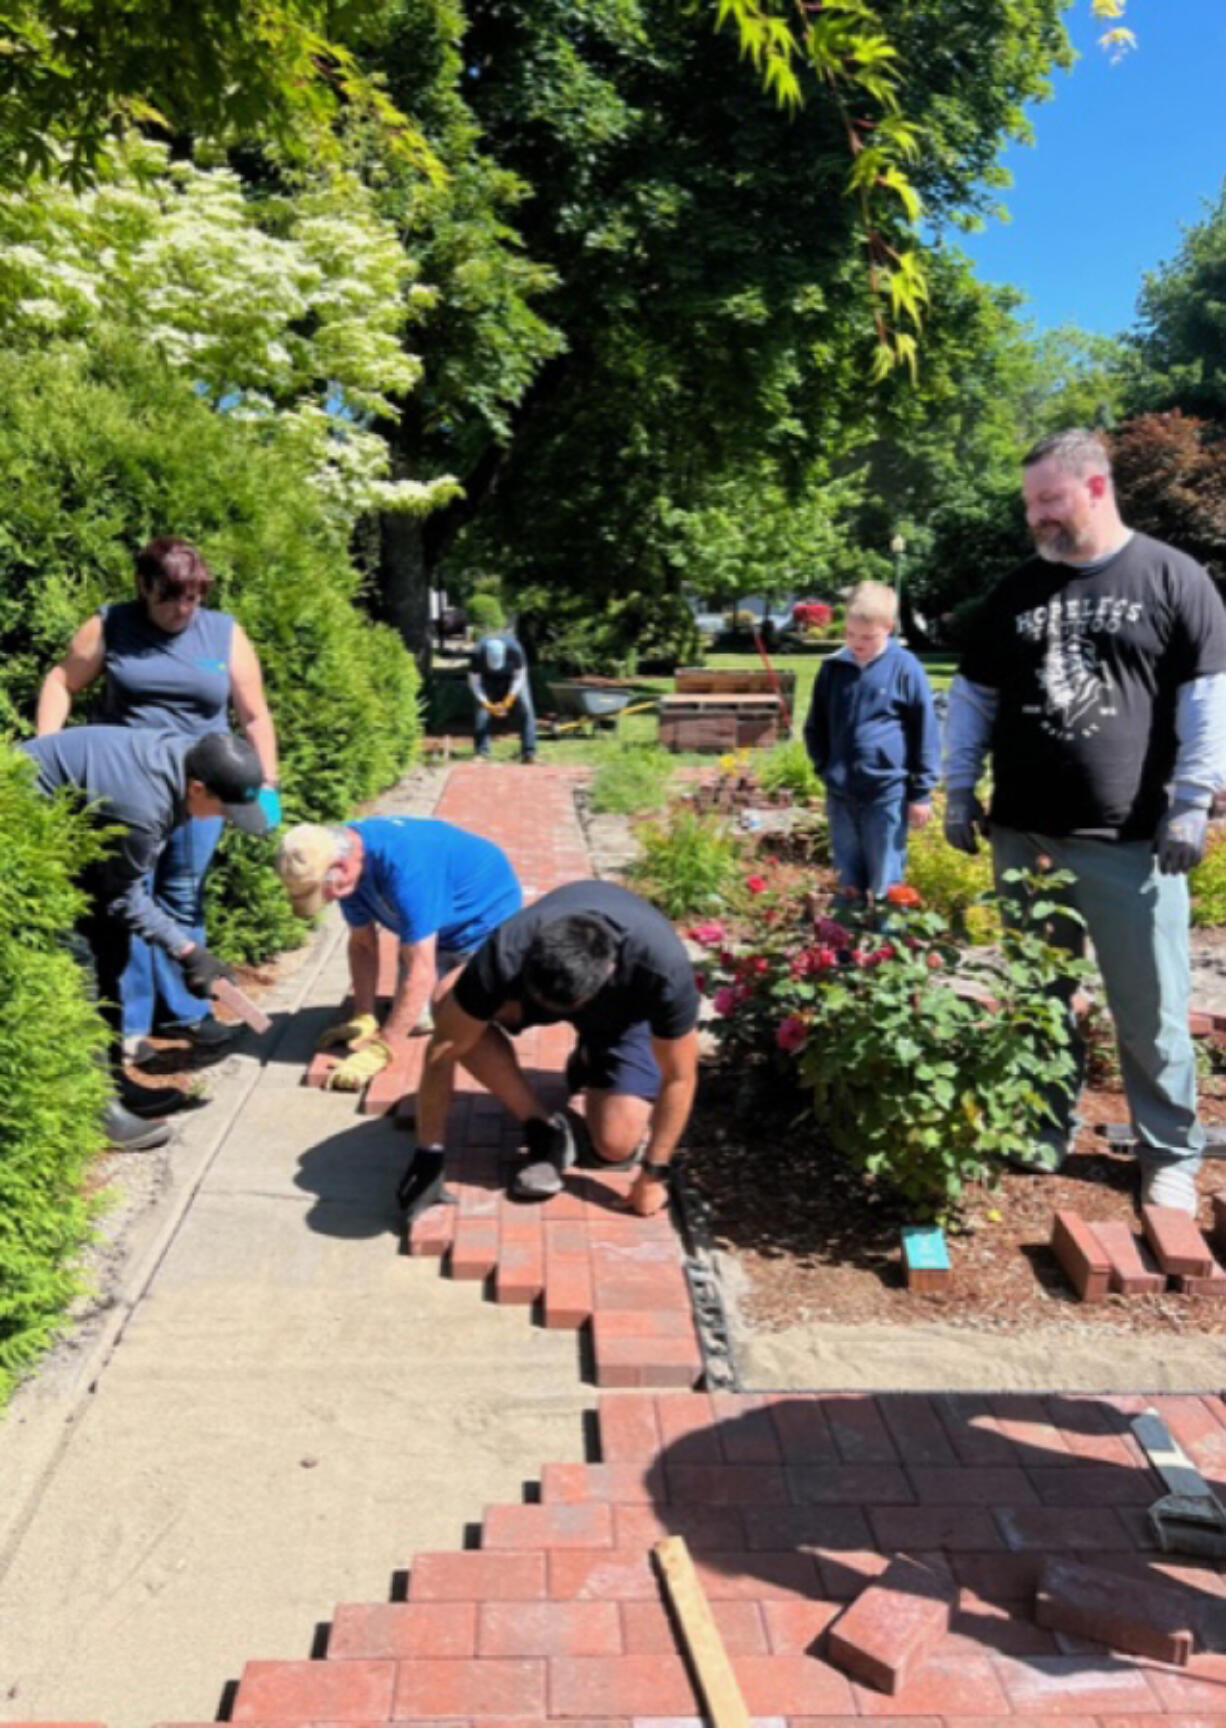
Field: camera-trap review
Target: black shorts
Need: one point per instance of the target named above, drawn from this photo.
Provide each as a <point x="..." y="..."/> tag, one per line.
<point x="626" y="1065"/>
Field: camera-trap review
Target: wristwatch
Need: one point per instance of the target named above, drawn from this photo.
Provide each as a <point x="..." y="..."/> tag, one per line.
<point x="657" y="1172"/>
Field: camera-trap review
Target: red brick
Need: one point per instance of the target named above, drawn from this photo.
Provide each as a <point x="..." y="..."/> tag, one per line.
<point x="889" y="1630"/>
<point x="801" y="1429"/>
<point x="845" y="1571"/>
<point x="388" y="1087"/>
<point x="1047" y="1686"/>
<point x="777" y="1528"/>
<point x="916" y="1429"/>
<point x="1144" y="1619"/>
<point x="1199" y="1425"/>
<point x="601" y="1575"/>
<point x="587" y="1525"/>
<point x="1130" y="1276"/>
<point x="859" y="1484"/>
<point x="959" y="1686"/>
<point x="1214" y="1286"/>
<point x="973" y="1430"/>
<point x="624" y="1362"/>
<point x="998" y="1577"/>
<point x="519" y="1275"/>
<point x="396" y="1629"/>
<point x="568" y="1294"/>
<point x="549" y="1629"/>
<point x="318" y="1069"/>
<point x="756" y="1577"/>
<point x="748" y="1432"/>
<point x="979" y="1626"/>
<point x="474" y="1249"/>
<point x="921" y="1527"/>
<point x="491" y="1687"/>
<point x="649" y="1631"/>
<point x="781" y="1685"/>
<point x="474" y="1576"/>
<point x="620" y="1685"/>
<point x="1096" y="1485"/>
<point x="703" y="1527"/>
<point x="793" y="1628"/>
<point x="431" y="1232"/>
<point x="629" y="1483"/>
<point x="1082" y="1259"/>
<point x="688" y="1428"/>
<point x="628" y="1429"/>
<point x="860" y="1435"/>
<point x="643" y="1324"/>
<point x="727" y="1484"/>
<point x="972" y="1485"/>
<point x="1024" y="1420"/>
<point x="315" y="1691"/>
<point x="1092" y="1430"/>
<point x="1178" y="1245"/>
<point x="1062" y="1528"/>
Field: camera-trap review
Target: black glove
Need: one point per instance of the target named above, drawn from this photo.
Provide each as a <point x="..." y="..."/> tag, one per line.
<point x="202" y="970"/>
<point x="1180" y="840"/>
<point x="965" y="819"/>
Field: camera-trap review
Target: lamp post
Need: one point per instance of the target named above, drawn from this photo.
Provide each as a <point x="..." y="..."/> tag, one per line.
<point x="898" y="546"/>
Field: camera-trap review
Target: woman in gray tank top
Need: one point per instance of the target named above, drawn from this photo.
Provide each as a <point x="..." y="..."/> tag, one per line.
<point x="169" y="662"/>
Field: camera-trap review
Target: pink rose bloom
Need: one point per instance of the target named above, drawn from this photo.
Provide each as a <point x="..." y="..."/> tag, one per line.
<point x="724" y="1001"/>
<point x="756" y="884"/>
<point x="700" y="983"/>
<point x="830" y="931"/>
<point x="792" y="1033"/>
<point x="708" y="934"/>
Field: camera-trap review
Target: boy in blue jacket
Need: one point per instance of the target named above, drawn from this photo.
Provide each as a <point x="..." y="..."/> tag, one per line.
<point x="872" y="736"/>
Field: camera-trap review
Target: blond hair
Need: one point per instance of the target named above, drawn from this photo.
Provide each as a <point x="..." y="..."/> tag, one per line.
<point x="873" y="603"/>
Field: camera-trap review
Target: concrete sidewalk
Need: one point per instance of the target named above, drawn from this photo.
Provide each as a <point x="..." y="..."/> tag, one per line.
<point x="275" y="1413"/>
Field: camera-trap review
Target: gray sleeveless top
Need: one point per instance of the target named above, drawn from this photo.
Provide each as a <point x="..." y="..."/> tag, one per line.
<point x="178" y="683"/>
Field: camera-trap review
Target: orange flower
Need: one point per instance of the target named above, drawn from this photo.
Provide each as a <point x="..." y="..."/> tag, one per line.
<point x="901" y="895"/>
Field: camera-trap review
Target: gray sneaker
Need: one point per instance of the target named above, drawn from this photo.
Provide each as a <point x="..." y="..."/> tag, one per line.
<point x="1171" y="1185"/>
<point x="550" y="1153"/>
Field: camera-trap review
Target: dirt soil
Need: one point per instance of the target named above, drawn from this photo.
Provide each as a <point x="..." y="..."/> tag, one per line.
<point x="818" y="1242"/>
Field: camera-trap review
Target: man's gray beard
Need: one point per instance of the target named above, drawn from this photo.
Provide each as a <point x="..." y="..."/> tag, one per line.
<point x="1054" y="548"/>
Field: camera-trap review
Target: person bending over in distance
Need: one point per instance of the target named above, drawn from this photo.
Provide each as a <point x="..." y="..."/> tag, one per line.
<point x="498" y="679"/>
<point x="872" y="735"/>
<point x="147" y="784"/>
<point x="600" y="958"/>
<point x="440" y="890"/>
<point x="1096" y="675"/>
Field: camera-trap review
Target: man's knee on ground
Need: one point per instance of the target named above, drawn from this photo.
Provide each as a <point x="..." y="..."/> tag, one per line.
<point x="616" y="1122"/>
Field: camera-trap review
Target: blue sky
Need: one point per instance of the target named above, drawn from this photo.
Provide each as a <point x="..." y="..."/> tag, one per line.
<point x="1124" y="157"/>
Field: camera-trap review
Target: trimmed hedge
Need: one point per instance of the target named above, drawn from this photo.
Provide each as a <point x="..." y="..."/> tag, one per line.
<point x="52" y="1085"/>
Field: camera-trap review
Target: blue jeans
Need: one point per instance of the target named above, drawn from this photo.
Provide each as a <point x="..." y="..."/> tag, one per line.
<point x="1137" y="919"/>
<point x="523" y="709"/>
<point x="868" y="841"/>
<point x="152" y="987"/>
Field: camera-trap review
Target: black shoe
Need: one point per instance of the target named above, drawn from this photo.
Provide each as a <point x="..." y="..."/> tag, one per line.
<point x="150" y="1100"/>
<point x="209" y="1034"/>
<point x="550" y="1153"/>
<point x="529" y="758"/>
<point x="421" y="1186"/>
<point x="127" y="1133"/>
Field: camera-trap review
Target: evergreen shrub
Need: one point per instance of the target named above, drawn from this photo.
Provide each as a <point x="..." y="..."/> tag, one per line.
<point x="52" y="1087"/>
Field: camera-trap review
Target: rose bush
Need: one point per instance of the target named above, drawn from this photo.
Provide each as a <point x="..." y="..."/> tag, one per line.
<point x="924" y="1061"/>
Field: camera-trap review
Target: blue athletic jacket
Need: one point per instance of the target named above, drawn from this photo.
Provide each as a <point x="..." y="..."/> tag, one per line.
<point x="872" y="730"/>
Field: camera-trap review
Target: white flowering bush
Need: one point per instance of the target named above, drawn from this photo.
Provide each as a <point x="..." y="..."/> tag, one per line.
<point x="287" y="310"/>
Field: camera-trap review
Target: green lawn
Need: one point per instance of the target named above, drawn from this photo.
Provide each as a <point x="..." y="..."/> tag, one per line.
<point x="643" y="728"/>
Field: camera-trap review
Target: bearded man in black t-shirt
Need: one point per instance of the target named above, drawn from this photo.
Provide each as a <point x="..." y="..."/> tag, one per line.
<point x="598" y="957"/>
<point x="1096" y="674"/>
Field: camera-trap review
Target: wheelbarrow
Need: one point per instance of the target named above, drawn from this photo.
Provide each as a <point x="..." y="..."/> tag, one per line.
<point x="579" y="704"/>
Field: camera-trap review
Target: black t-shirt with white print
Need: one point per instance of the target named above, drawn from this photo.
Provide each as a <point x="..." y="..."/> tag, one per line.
<point x="1087" y="664"/>
<point x="653" y="979"/>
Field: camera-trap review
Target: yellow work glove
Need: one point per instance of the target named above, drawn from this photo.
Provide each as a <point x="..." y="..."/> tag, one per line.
<point x="346" y="1033"/>
<point x="360" y="1067"/>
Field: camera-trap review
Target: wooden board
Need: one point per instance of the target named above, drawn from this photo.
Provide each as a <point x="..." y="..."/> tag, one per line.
<point x="704" y="1646"/>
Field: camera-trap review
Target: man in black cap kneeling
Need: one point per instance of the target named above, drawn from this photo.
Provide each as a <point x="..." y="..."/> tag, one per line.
<point x="143" y="782"/>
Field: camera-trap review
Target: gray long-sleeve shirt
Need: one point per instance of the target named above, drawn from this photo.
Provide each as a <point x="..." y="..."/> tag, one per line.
<point x="135" y="779"/>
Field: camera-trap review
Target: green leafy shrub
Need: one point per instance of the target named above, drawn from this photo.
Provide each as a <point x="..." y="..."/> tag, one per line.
<point x="52" y="1089"/>
<point x="690" y="864"/>
<point x="1208" y="884"/>
<point x="485" y="614"/>
<point x="787" y="768"/>
<point x="98" y="454"/>
<point x="916" y="1082"/>
<point x="632" y="778"/>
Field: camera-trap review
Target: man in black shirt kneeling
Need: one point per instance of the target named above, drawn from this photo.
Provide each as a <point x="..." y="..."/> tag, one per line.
<point x="598" y="957"/>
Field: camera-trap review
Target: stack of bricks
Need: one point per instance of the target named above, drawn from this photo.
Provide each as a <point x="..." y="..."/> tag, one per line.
<point x="916" y="1557"/>
<point x="1108" y="1258"/>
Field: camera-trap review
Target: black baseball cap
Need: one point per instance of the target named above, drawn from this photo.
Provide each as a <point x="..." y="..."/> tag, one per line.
<point x="229" y="768"/>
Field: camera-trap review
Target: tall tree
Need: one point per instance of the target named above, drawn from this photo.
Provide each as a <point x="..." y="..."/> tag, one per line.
<point x="1181" y="339"/>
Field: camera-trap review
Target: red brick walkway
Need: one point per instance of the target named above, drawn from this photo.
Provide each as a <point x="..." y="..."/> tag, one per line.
<point x="791" y="1504"/>
<point x="580" y="1257"/>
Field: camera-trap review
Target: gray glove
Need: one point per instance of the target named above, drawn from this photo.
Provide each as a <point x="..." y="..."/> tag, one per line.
<point x="965" y="819"/>
<point x="201" y="970"/>
<point x="1180" y="840"/>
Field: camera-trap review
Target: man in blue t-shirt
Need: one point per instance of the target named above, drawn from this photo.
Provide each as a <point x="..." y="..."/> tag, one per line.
<point x="440" y="889"/>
